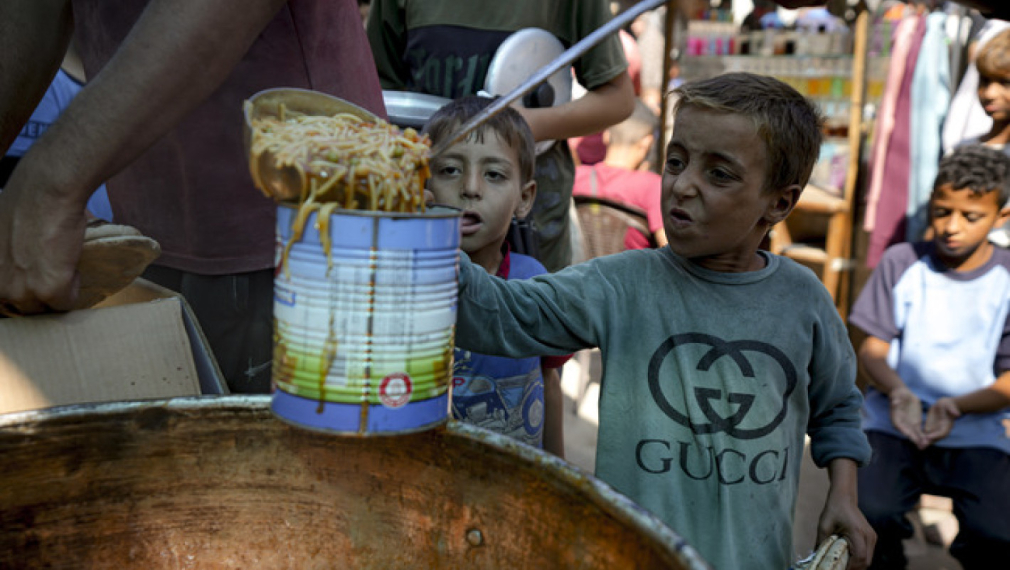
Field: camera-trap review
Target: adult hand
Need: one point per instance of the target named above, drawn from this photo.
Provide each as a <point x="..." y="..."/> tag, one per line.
<point x="41" y="233"/>
<point x="906" y="415"/>
<point x="940" y="419"/>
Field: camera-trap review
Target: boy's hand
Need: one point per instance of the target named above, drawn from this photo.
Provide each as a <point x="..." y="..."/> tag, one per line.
<point x="906" y="415"/>
<point x="940" y="420"/>
<point x="841" y="516"/>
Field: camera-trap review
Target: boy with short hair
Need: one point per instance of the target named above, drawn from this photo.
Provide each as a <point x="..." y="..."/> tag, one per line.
<point x="938" y="318"/>
<point x="489" y="175"/>
<point x="718" y="358"/>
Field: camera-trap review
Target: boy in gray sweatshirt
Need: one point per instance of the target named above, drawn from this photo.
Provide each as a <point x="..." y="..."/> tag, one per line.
<point x="718" y="357"/>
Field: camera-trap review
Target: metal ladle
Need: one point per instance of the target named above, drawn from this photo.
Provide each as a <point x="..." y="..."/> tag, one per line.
<point x="285" y="183"/>
<point x="544" y="73"/>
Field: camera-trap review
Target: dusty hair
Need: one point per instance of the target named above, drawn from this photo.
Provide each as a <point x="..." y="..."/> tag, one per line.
<point x="993" y="57"/>
<point x="507" y="124"/>
<point x="642" y="123"/>
<point x="788" y="123"/>
<point x="976" y="167"/>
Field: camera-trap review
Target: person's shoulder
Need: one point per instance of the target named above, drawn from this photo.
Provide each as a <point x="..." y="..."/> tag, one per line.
<point x="898" y="258"/>
<point x="645" y="176"/>
<point x="1001" y="257"/>
<point x="795" y="272"/>
<point x="966" y="142"/>
<point x="523" y="266"/>
<point x="906" y="252"/>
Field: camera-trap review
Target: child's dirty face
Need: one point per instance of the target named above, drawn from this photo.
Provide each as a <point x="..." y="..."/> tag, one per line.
<point x="994" y="95"/>
<point x="713" y="202"/>
<point x="481" y="176"/>
<point x="961" y="220"/>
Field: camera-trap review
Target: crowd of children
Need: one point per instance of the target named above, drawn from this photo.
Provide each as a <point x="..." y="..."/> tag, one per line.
<point x="719" y="358"/>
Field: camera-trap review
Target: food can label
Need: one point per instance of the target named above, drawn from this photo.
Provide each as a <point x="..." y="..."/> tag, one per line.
<point x="395" y="390"/>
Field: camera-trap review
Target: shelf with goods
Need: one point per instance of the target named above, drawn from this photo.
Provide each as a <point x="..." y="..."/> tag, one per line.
<point x="837" y="73"/>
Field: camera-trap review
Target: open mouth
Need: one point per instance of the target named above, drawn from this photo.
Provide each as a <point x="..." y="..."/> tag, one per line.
<point x="470" y="222"/>
<point x="680" y="216"/>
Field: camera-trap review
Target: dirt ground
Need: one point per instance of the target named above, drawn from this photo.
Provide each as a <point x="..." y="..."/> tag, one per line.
<point x="934" y="519"/>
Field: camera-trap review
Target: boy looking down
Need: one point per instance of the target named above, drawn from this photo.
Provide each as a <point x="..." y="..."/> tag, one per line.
<point x="938" y="359"/>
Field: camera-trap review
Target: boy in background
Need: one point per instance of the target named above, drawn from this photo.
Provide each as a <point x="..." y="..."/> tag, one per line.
<point x="993" y="66"/>
<point x="717" y="358"/>
<point x="618" y="176"/>
<point x="489" y="176"/>
<point x="937" y="357"/>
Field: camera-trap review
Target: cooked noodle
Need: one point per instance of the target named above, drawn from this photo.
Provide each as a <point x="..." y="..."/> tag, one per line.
<point x="345" y="159"/>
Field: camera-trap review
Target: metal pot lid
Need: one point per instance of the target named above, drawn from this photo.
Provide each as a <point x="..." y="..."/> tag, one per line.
<point x="517" y="59"/>
<point x="410" y="109"/>
<point x="520" y="56"/>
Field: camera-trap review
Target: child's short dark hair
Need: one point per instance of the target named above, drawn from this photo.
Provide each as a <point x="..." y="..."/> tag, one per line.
<point x="507" y="123"/>
<point x="789" y="124"/>
<point x="977" y="167"/>
<point x="993" y="57"/>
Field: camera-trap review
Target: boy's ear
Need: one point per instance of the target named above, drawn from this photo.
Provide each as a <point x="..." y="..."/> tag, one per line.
<point x="783" y="201"/>
<point x="527" y="194"/>
<point x="1002" y="217"/>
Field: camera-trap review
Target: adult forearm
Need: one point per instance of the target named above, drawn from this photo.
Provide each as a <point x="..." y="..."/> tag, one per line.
<point x="176" y="55"/>
<point x="598" y="109"/>
<point x="33" y="38"/>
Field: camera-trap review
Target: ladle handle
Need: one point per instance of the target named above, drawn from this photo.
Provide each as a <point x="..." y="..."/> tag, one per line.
<point x="566" y="58"/>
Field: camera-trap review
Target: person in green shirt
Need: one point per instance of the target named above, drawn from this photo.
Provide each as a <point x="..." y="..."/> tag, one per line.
<point x="445" y="49"/>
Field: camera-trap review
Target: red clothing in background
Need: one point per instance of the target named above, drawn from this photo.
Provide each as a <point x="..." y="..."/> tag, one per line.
<point x="636" y="188"/>
<point x="191" y="191"/>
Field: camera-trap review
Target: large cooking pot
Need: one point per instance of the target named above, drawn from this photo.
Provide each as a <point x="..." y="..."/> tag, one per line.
<point x="221" y="483"/>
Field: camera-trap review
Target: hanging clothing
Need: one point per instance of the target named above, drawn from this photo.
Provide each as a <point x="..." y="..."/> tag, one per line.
<point x="930" y="101"/>
<point x="889" y="213"/>
<point x="902" y="43"/>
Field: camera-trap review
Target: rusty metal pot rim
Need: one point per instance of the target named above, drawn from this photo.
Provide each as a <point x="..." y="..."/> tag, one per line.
<point x="599" y="492"/>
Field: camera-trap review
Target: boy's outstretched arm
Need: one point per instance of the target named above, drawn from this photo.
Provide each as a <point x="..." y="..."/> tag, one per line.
<point x="941" y="416"/>
<point x="841" y="514"/>
<point x="906" y="408"/>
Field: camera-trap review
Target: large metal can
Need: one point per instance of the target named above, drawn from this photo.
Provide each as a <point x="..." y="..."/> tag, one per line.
<point x="364" y="312"/>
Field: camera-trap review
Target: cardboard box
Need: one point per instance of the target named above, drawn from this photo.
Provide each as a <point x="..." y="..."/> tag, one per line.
<point x="142" y="343"/>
